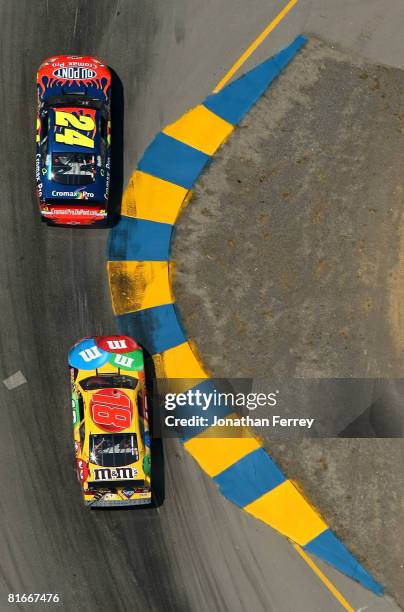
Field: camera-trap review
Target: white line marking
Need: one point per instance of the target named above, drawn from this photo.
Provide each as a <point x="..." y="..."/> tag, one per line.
<point x="75" y="22"/>
<point x="15" y="380"/>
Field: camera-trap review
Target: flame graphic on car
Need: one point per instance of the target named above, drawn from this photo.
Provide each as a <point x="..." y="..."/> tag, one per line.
<point x="46" y="82"/>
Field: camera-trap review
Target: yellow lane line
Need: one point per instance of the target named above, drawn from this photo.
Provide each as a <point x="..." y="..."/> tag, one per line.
<point x="271" y="26"/>
<point x="323" y="578"/>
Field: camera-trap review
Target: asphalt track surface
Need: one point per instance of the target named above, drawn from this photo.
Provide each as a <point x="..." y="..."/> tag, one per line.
<point x="196" y="551"/>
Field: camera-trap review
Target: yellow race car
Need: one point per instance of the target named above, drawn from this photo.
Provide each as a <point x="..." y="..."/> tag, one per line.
<point x="110" y="421"/>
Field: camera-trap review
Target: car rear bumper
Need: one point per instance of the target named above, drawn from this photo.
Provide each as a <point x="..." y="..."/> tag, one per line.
<point x="111" y="503"/>
<point x="72" y="216"/>
<point x="108" y="498"/>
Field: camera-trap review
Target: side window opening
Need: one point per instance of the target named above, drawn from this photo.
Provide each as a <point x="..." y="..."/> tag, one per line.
<point x="140" y="403"/>
<point x="44" y="135"/>
<point x="44" y="126"/>
<point x="140" y="410"/>
<point x="82" y="432"/>
<point x="103" y="132"/>
<point x="81" y="408"/>
<point x="82" y="428"/>
<point x="103" y="128"/>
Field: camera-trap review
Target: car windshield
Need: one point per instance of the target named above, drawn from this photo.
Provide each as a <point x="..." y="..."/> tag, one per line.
<point x="76" y="99"/>
<point x="73" y="168"/>
<point x="113" y="450"/>
<point x="112" y="381"/>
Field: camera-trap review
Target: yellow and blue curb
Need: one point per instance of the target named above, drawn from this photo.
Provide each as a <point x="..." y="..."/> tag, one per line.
<point x="139" y="269"/>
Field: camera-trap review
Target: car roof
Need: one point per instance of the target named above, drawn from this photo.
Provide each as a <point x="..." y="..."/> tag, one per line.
<point x="112" y="398"/>
<point x="55" y="146"/>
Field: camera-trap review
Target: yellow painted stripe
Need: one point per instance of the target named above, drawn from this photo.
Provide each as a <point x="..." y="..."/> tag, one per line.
<point x="215" y="452"/>
<point x="287" y="511"/>
<point x="136" y="285"/>
<point x="180" y="362"/>
<point x="201" y="129"/>
<point x="323" y="578"/>
<point x="148" y="197"/>
<point x="250" y="50"/>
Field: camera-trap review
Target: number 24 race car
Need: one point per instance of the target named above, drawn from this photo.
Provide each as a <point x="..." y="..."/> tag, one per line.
<point x="110" y="421"/>
<point x="73" y="138"/>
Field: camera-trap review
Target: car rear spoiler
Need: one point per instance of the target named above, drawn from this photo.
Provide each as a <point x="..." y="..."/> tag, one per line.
<point x="115" y="484"/>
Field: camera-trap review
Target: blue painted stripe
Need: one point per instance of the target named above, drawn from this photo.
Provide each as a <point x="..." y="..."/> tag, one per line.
<point x="172" y="160"/>
<point x="139" y="240"/>
<point x="235" y="100"/>
<point x="328" y="547"/>
<point x="157" y="329"/>
<point x="219" y="410"/>
<point x="249" y="478"/>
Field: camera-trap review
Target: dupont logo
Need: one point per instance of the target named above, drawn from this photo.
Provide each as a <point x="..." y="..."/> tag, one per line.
<point x="74" y="73"/>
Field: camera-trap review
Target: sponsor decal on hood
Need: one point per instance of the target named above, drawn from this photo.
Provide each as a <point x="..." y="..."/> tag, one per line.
<point x="74" y="73"/>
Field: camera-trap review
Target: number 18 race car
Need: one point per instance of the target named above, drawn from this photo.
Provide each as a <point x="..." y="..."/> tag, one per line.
<point x="73" y="140"/>
<point x="110" y="421"/>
